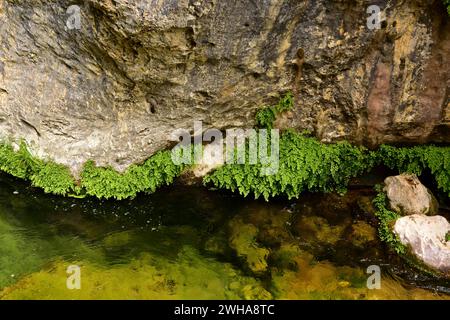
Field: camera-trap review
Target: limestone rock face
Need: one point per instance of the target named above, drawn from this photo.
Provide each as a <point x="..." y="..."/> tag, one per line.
<point x="111" y="80"/>
<point x="426" y="238"/>
<point x="407" y="195"/>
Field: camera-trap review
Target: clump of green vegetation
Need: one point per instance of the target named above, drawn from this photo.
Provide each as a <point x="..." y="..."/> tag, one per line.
<point x="447" y="4"/>
<point x="417" y="159"/>
<point x="51" y="177"/>
<point x="267" y="116"/>
<point x="14" y="163"/>
<point x="386" y="218"/>
<point x="447" y="236"/>
<point x="107" y="183"/>
<point x="95" y="181"/>
<point x="305" y="164"/>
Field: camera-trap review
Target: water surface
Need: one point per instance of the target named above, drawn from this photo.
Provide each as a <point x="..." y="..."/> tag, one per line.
<point x="190" y="243"/>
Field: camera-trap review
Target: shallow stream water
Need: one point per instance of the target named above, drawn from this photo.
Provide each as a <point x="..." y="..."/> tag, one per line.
<point x="191" y="243"/>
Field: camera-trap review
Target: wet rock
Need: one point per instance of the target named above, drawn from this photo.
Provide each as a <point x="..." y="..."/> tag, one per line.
<point x="213" y="157"/>
<point x="114" y="89"/>
<point x="426" y="236"/>
<point x="407" y="195"/>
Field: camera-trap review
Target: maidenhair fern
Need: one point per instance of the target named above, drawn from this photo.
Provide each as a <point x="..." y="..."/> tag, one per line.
<point x="267" y="116"/>
<point x="308" y="165"/>
<point x="96" y="181"/>
<point x="305" y="164"/>
<point x="14" y="163"/>
<point x="447" y="5"/>
<point x="51" y="177"/>
<point x="386" y="219"/>
<point x="417" y="159"/>
<point x="107" y="183"/>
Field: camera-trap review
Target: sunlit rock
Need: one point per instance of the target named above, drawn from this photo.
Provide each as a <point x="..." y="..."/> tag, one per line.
<point x="407" y="195"/>
<point x="426" y="236"/>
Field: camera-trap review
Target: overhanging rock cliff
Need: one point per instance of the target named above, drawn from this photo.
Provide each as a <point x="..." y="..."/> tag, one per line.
<point x="115" y="88"/>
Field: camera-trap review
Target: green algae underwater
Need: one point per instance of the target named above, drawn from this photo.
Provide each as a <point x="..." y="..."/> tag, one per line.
<point x="191" y="243"/>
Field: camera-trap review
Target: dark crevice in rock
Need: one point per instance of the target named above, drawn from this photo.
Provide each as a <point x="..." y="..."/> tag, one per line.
<point x="29" y="125"/>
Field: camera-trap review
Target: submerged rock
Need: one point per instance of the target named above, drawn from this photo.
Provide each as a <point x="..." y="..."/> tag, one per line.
<point x="243" y="241"/>
<point x="304" y="277"/>
<point x="426" y="236"/>
<point x="407" y="195"/>
<point x="147" y="276"/>
<point x="362" y="233"/>
<point x="314" y="228"/>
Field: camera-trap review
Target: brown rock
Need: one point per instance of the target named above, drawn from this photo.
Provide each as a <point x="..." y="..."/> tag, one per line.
<point x="407" y="195"/>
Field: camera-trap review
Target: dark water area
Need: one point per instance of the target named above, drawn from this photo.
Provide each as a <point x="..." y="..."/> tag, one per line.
<point x="191" y="243"/>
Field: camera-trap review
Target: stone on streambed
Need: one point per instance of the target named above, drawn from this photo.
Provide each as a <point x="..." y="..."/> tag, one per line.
<point x="243" y="241"/>
<point x="407" y="195"/>
<point x="422" y="232"/>
<point x="362" y="234"/>
<point x="426" y="236"/>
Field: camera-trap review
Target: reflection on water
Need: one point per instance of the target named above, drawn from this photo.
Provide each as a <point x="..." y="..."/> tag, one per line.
<point x="188" y="243"/>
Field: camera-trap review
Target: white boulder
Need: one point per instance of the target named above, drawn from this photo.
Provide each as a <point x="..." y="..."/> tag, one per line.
<point x="426" y="236"/>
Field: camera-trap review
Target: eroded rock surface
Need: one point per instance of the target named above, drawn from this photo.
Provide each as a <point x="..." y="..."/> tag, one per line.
<point x="115" y="89"/>
<point x="426" y="236"/>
